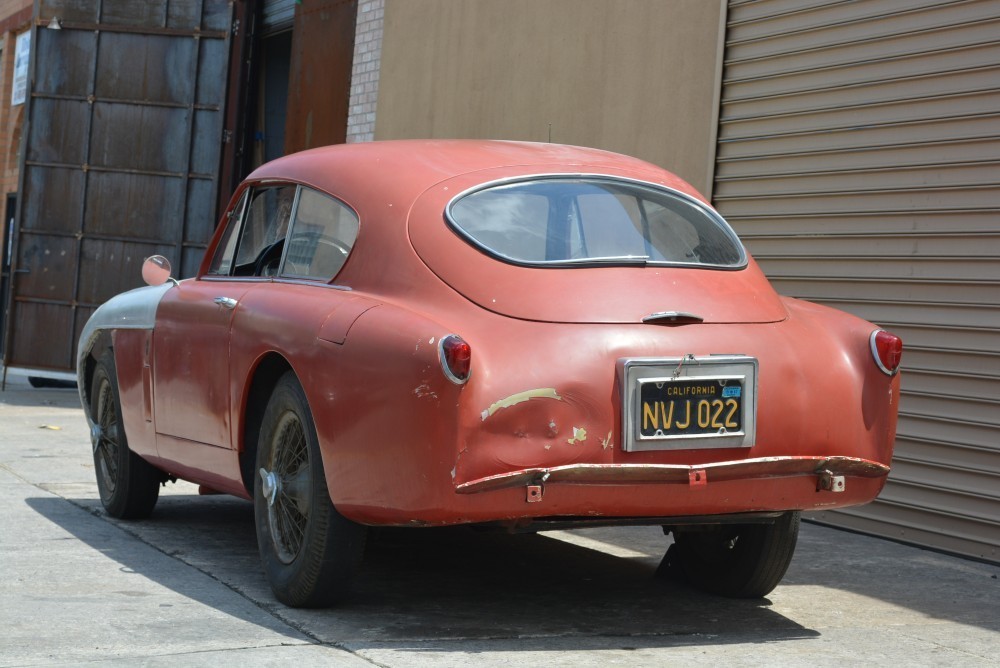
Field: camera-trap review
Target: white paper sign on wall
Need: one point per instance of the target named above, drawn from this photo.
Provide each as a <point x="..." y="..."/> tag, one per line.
<point x="22" y="53"/>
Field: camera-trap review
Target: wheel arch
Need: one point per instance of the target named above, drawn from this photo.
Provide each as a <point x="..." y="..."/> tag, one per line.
<point x="88" y="365"/>
<point x="270" y="367"/>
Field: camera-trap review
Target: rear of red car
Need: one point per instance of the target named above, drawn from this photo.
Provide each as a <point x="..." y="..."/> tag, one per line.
<point x="632" y="364"/>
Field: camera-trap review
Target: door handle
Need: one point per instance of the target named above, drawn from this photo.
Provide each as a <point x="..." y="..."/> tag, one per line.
<point x="227" y="302"/>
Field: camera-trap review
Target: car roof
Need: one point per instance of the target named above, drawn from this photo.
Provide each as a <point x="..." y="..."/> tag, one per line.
<point x="407" y="253"/>
<point x="405" y="168"/>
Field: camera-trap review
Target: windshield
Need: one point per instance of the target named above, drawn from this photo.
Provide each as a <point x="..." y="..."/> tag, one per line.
<point x="587" y="221"/>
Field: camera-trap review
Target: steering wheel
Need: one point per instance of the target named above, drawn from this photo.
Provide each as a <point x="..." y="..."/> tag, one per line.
<point x="268" y="259"/>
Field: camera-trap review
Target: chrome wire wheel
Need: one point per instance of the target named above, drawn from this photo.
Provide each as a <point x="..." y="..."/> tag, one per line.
<point x="286" y="487"/>
<point x="106" y="446"/>
<point x="309" y="551"/>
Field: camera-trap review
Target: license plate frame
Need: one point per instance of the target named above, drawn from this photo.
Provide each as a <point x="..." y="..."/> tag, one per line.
<point x="667" y="378"/>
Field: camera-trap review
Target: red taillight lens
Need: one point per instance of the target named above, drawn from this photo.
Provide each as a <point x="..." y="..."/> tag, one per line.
<point x="456" y="358"/>
<point x="888" y="351"/>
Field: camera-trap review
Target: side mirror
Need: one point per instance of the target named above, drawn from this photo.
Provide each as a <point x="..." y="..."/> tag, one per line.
<point x="156" y="270"/>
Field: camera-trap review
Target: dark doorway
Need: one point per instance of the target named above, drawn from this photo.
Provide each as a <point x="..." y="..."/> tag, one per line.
<point x="6" y="254"/>
<point x="272" y="100"/>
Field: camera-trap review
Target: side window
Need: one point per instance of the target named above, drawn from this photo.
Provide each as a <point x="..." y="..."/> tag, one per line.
<point x="265" y="226"/>
<point x="323" y="233"/>
<point x="222" y="263"/>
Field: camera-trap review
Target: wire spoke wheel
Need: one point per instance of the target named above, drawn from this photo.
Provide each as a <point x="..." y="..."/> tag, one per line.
<point x="309" y="551"/>
<point x="128" y="484"/>
<point x="288" y="511"/>
<point x="106" y="450"/>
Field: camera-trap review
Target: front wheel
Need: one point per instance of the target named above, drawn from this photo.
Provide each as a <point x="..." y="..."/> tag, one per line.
<point x="309" y="551"/>
<point x="736" y="560"/>
<point x="129" y="485"/>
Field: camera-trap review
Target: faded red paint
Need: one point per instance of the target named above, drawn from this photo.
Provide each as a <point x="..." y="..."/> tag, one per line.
<point x="404" y="445"/>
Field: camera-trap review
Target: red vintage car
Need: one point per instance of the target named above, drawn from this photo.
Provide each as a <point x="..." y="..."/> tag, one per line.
<point x="527" y="336"/>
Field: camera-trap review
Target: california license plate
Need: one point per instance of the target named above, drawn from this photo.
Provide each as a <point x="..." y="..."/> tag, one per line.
<point x="690" y="407"/>
<point x="693" y="402"/>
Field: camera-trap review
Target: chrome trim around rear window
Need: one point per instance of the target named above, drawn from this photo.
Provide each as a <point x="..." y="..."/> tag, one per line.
<point x="621" y="260"/>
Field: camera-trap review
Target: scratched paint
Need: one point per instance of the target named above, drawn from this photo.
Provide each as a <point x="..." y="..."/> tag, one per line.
<point x="424" y="390"/>
<point x="606" y="442"/>
<point x="520" y="397"/>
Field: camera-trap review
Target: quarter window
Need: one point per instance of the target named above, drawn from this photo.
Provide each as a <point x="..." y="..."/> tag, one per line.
<point x="323" y="233"/>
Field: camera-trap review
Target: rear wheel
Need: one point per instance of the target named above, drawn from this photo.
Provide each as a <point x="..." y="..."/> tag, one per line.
<point x="309" y="551"/>
<point x="129" y="485"/>
<point x="736" y="560"/>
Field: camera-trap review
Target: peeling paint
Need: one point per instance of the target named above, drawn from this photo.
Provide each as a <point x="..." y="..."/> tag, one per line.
<point x="606" y="442"/>
<point x="424" y="390"/>
<point x="432" y="340"/>
<point x="579" y="436"/>
<point x="540" y="393"/>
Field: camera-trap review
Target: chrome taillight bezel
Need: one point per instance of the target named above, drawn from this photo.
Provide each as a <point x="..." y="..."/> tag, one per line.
<point x="443" y="358"/>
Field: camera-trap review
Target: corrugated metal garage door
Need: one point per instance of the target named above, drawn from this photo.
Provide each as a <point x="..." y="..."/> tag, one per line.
<point x="859" y="156"/>
<point x="278" y="15"/>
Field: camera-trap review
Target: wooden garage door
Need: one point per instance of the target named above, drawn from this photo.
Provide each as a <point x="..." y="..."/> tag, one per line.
<point x="859" y="157"/>
<point x="120" y="159"/>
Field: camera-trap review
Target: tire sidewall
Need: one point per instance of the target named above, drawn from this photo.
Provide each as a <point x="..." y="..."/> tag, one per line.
<point x="752" y="569"/>
<point x="317" y="575"/>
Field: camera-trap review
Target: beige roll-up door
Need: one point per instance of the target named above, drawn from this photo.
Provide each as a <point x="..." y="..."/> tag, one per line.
<point x="859" y="157"/>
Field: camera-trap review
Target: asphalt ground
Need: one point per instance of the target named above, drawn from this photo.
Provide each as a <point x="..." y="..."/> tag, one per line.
<point x="184" y="588"/>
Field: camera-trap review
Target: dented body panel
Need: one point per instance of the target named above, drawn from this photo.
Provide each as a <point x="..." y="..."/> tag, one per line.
<point x="537" y="430"/>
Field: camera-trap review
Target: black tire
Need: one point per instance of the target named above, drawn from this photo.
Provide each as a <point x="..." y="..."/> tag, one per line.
<point x="128" y="484"/>
<point x="735" y="560"/>
<point x="309" y="551"/>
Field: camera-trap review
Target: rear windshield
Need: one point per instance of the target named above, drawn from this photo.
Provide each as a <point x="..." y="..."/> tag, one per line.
<point x="566" y="221"/>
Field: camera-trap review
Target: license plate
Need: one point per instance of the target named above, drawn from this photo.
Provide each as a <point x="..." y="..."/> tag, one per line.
<point x="690" y="407"/>
<point x="691" y="402"/>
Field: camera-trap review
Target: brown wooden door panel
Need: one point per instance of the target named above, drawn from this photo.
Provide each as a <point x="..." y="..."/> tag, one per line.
<point x="122" y="144"/>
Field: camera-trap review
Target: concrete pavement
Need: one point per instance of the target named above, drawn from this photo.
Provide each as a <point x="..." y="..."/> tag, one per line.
<point x="185" y="587"/>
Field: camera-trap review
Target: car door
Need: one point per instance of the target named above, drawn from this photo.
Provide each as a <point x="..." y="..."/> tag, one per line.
<point x="191" y="361"/>
<point x="191" y="340"/>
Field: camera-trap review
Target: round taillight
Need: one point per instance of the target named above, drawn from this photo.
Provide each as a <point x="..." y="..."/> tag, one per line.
<point x="887" y="349"/>
<point x="456" y="358"/>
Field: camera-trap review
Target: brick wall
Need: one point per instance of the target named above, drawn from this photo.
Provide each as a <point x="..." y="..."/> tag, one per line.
<point x="365" y="73"/>
<point x="15" y="18"/>
<point x="14" y="14"/>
